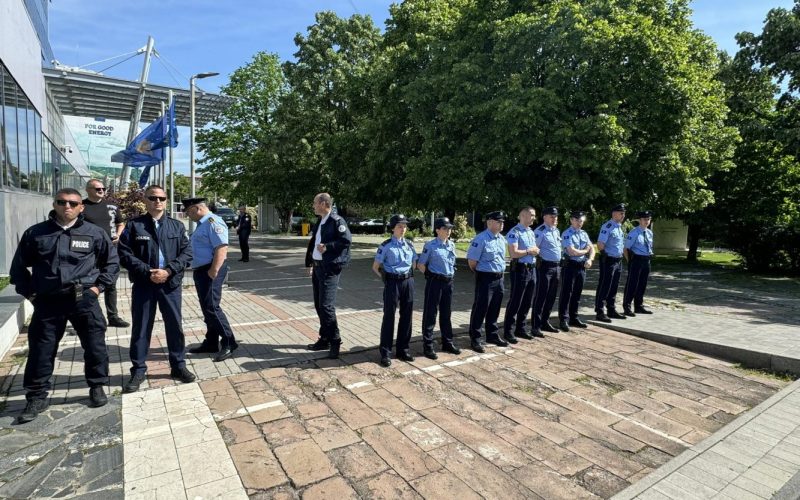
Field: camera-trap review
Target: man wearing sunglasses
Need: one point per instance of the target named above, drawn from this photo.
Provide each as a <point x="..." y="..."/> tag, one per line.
<point x="71" y="263"/>
<point x="155" y="250"/>
<point x="109" y="218"/>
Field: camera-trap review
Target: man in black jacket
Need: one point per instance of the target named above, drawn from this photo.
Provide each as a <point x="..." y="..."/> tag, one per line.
<point x="155" y="250"/>
<point x="244" y="225"/>
<point x="71" y="263"/>
<point x="328" y="252"/>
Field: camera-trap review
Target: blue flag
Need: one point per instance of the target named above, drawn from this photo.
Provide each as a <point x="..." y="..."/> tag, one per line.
<point x="145" y="176"/>
<point x="173" y="126"/>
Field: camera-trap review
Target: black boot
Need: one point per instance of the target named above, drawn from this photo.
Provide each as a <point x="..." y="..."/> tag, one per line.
<point x="334" y="350"/>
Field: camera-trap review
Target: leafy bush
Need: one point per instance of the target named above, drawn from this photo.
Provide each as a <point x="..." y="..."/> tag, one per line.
<point x="461" y="230"/>
<point x="130" y="201"/>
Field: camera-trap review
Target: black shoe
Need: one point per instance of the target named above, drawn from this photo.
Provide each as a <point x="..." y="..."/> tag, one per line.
<point x="602" y="317"/>
<point x="615" y="315"/>
<point x="477" y="347"/>
<point x="182" y="374"/>
<point x="451" y="348"/>
<point x="225" y="353"/>
<point x="32" y="410"/>
<point x="537" y="334"/>
<point x="525" y="335"/>
<point x="97" y="396"/>
<point x="333" y="353"/>
<point x="405" y="356"/>
<point x="497" y="341"/>
<point x="547" y="327"/>
<point x="203" y="348"/>
<point x="642" y="310"/>
<point x="429" y="353"/>
<point x="577" y="323"/>
<point x="628" y="312"/>
<point x="511" y="339"/>
<point x="133" y="383"/>
<point x="320" y="345"/>
<point x="245" y="260"/>
<point x="386" y="362"/>
<point x="118" y="322"/>
<point x="563" y="326"/>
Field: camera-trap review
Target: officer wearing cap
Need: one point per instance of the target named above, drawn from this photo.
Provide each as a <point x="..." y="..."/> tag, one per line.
<point x="397" y="257"/>
<point x="548" y="239"/>
<point x="155" y="250"/>
<point x="243" y="225"/>
<point x="579" y="253"/>
<point x="72" y="262"/>
<point x="610" y="243"/>
<point x="327" y="254"/>
<point x="523" y="251"/>
<point x="487" y="258"/>
<point x="638" y="252"/>
<point x="438" y="263"/>
<point x="209" y="251"/>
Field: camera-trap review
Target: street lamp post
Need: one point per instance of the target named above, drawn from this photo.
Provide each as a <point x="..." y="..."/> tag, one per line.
<point x="191" y="134"/>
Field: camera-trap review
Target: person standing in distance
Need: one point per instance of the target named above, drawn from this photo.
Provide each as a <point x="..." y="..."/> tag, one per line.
<point x="548" y="239"/>
<point x="397" y="257"/>
<point x="438" y="263"/>
<point x="610" y="243"/>
<point x="209" y="251"/>
<point x="327" y="253"/>
<point x="155" y="250"/>
<point x="579" y="257"/>
<point x="109" y="218"/>
<point x="71" y="263"/>
<point x="243" y="226"/>
<point x="486" y="256"/>
<point x="523" y="251"/>
<point x="638" y="252"/>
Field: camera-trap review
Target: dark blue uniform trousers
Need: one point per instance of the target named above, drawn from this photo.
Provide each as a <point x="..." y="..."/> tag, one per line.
<point x="638" y="273"/>
<point x="143" y="305"/>
<point x="489" y="290"/>
<point x="572" y="279"/>
<point x="209" y="292"/>
<point x="244" y="244"/>
<point x="49" y="320"/>
<point x="397" y="292"/>
<point x="324" y="283"/>
<point x="438" y="297"/>
<point x="546" y="291"/>
<point x="606" y="295"/>
<point x="523" y="289"/>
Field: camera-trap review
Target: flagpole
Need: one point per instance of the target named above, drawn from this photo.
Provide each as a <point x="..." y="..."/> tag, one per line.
<point x="162" y="165"/>
<point x="171" y="172"/>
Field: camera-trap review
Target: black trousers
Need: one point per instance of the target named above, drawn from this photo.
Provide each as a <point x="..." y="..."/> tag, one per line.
<point x="244" y="244"/>
<point x="523" y="289"/>
<point x="489" y="290"/>
<point x="110" y="296"/>
<point x="144" y="301"/>
<point x="608" y="284"/>
<point x="325" y="282"/>
<point x="49" y="320"/>
<point x="638" y="273"/>
<point x="546" y="291"/>
<point x="209" y="292"/>
<point x="438" y="298"/>
<point x="397" y="292"/>
<point x="572" y="279"/>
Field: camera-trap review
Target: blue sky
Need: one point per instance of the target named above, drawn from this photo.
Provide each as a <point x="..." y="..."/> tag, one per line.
<point x="196" y="36"/>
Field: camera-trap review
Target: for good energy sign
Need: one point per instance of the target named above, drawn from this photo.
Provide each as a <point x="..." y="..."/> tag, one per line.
<point x="97" y="139"/>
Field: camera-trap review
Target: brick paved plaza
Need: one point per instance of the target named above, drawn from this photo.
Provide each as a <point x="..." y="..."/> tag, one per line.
<point x="583" y="414"/>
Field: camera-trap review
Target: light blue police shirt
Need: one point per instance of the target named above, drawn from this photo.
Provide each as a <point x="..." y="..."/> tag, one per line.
<point x="548" y="239"/>
<point x="210" y="233"/>
<point x="523" y="237"/>
<point x="396" y="256"/>
<point x="490" y="252"/>
<point x="439" y="257"/>
<point x="640" y="241"/>
<point x="577" y="239"/>
<point x="613" y="237"/>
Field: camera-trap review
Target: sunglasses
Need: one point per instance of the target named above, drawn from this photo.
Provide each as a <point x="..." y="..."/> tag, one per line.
<point x="63" y="203"/>
<point x="99" y="189"/>
<point x="157" y="198"/>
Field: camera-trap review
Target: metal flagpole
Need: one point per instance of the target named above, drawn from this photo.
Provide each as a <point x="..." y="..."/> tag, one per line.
<point x="137" y="114"/>
<point x="171" y="172"/>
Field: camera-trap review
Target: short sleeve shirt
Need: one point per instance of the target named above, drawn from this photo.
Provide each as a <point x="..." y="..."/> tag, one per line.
<point x="640" y="241"/>
<point x="548" y="239"/>
<point x="577" y="239"/>
<point x="524" y="239"/>
<point x="489" y="250"/>
<point x="103" y="215"/>
<point x="396" y="256"/>
<point x="439" y="257"/>
<point x="613" y="237"/>
<point x="211" y="232"/>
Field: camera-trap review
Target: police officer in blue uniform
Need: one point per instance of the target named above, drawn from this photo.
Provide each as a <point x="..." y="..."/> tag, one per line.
<point x="438" y="263"/>
<point x="155" y="250"/>
<point x="610" y="243"/>
<point x="397" y="257"/>
<point x="244" y="225"/>
<point x="523" y="251"/>
<point x="327" y="254"/>
<point x="638" y="252"/>
<point x="548" y="239"/>
<point x="579" y="256"/>
<point x="209" y="251"/>
<point x="486" y="256"/>
<point x="71" y="263"/>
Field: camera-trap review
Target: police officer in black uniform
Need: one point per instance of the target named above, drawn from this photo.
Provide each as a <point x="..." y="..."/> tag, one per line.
<point x="244" y="225"/>
<point x="155" y="250"/>
<point x="327" y="254"/>
<point x="72" y="263"/>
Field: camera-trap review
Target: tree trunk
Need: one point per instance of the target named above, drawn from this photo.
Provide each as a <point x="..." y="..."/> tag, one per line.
<point x="694" y="241"/>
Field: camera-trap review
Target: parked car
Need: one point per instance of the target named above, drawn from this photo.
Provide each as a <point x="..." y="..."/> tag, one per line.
<point x="296" y="221"/>
<point x="227" y="214"/>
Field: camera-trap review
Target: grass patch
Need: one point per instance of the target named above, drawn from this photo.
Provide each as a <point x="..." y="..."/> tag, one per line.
<point x="762" y="372"/>
<point x="706" y="258"/>
<point x="19" y="358"/>
<point x="4" y="281"/>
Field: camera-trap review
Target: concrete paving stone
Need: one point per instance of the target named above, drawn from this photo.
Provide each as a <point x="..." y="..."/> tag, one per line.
<point x="597" y="430"/>
<point x="605" y="458"/>
<point x="149" y="457"/>
<point x="549" y="484"/>
<point x="304" y="462"/>
<point x="388" y="485"/>
<point x="330" y="432"/>
<point x="193" y="429"/>
<point x="662" y="424"/>
<point x="553" y="431"/>
<point x="410" y="394"/>
<point x="350" y="409"/>
<point x="196" y="467"/>
<point x="668" y="360"/>
<point x="258" y="469"/>
<point x="554" y="456"/>
<point x="734" y="492"/>
<point x="405" y="457"/>
<point x="335" y="487"/>
<point x="684" y="403"/>
<point x="601" y="482"/>
<point x="724" y="405"/>
<point x="284" y="431"/>
<point x="166" y="485"/>
<point x="229" y="488"/>
<point x="426" y="434"/>
<point x="389" y="406"/>
<point x="650" y="437"/>
<point x="25" y="486"/>
<point x="692" y="419"/>
<point x="312" y="409"/>
<point x="600" y="396"/>
<point x="239" y="430"/>
<point x="698" y="471"/>
<point x="573" y="403"/>
<point x="766" y="480"/>
<point x="444" y="485"/>
<point x="652" y="494"/>
<point x="357" y="461"/>
<point x="678" y="491"/>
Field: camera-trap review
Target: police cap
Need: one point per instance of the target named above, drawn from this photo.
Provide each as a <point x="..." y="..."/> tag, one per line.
<point x="497" y="215"/>
<point x="550" y="211"/>
<point x="242" y="205"/>
<point x="577" y="214"/>
<point x="188" y="202"/>
<point x="397" y="219"/>
<point x="644" y="214"/>
<point x="442" y="222"/>
<point x="620" y="207"/>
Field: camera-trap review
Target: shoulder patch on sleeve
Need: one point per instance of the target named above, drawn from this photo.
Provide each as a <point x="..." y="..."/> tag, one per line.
<point x="342" y="228"/>
<point x="475" y="244"/>
<point x="608" y="225"/>
<point x="603" y="231"/>
<point x="218" y="229"/>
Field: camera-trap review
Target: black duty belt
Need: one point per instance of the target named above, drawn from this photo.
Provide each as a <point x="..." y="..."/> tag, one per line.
<point x="524" y="265"/>
<point x="580" y="264"/>
<point x="642" y="257"/>
<point x="399" y="277"/>
<point x="550" y="263"/>
<point x="613" y="260"/>
<point x="439" y="277"/>
<point x="489" y="274"/>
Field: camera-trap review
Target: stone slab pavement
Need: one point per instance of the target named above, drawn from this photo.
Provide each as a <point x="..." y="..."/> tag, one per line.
<point x="579" y="415"/>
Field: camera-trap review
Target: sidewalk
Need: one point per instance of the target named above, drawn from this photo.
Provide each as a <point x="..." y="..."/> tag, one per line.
<point x="579" y="415"/>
